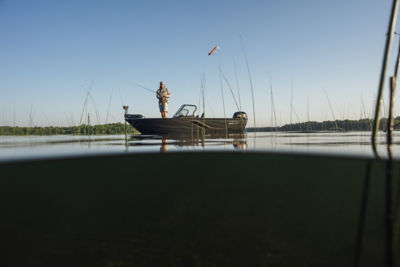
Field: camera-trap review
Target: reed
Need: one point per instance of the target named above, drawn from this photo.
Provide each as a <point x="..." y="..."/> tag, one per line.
<point x="250" y="80"/>
<point x="386" y="54"/>
<point x="333" y="113"/>
<point x="203" y="94"/>
<point x="363" y="110"/>
<point x="297" y="117"/>
<point x="230" y="89"/>
<point x="308" y="109"/>
<point x="222" y="94"/>
<point x="72" y="118"/>
<point x="237" y="82"/>
<point x="221" y="88"/>
<point x="67" y="119"/>
<point x="273" y="113"/>
<point x="14" y="115"/>
<point x="85" y="102"/>
<point x="109" y="104"/>
<point x="30" y="116"/>
<point x="291" y="100"/>
<point x="200" y="91"/>
<point x="95" y="109"/>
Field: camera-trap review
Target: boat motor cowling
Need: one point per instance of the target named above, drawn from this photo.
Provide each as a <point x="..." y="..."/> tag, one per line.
<point x="240" y="115"/>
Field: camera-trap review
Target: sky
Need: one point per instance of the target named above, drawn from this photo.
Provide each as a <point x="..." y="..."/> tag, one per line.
<point x="52" y="52"/>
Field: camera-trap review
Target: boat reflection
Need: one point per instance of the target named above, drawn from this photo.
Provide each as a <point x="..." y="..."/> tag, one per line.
<point x="164" y="147"/>
<point x="240" y="144"/>
<point x="165" y="143"/>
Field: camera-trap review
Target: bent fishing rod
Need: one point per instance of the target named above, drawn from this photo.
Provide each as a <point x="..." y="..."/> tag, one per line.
<point x="144" y="87"/>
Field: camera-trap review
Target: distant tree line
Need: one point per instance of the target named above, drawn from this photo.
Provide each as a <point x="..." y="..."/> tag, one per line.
<point x="101" y="129"/>
<point x="119" y="128"/>
<point x="338" y="125"/>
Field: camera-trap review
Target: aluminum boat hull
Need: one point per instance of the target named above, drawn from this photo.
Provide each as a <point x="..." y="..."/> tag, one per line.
<point x="187" y="125"/>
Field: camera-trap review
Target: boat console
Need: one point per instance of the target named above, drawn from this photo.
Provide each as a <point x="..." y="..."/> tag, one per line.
<point x="186" y="110"/>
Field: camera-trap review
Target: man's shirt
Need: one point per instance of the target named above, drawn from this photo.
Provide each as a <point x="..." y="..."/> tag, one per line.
<point x="163" y="95"/>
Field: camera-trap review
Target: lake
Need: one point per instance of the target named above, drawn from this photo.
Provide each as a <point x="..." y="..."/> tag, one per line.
<point x="342" y="143"/>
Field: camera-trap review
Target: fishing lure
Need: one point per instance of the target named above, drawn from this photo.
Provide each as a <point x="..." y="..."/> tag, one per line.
<point x="214" y="49"/>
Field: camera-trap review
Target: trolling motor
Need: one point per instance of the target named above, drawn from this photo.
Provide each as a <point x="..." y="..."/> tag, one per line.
<point x="126" y="109"/>
<point x="135" y="116"/>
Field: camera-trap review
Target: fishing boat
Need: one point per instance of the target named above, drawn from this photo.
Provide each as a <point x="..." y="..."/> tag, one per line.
<point x="185" y="122"/>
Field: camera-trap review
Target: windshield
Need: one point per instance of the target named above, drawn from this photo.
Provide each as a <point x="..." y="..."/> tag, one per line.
<point x="185" y="111"/>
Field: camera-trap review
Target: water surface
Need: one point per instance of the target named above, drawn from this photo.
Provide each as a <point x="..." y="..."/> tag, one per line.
<point x="343" y="143"/>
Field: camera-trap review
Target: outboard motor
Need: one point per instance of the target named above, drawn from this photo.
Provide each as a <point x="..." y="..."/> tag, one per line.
<point x="240" y="115"/>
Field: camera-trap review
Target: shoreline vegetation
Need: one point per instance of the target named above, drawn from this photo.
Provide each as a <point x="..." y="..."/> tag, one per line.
<point x="119" y="128"/>
<point x="337" y="126"/>
<point x="100" y="129"/>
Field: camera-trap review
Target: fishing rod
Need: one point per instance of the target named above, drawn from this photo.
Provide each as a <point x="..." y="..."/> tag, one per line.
<point x="144" y="87"/>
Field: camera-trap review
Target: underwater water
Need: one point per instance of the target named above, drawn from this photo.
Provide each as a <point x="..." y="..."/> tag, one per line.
<point x="309" y="199"/>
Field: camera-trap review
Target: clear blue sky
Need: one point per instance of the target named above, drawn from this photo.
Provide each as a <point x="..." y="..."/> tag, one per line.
<point x="51" y="51"/>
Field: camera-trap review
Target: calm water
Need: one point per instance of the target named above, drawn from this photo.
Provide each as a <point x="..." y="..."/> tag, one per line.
<point x="350" y="143"/>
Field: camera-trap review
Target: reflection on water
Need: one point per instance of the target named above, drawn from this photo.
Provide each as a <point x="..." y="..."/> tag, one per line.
<point x="177" y="143"/>
<point x="343" y="143"/>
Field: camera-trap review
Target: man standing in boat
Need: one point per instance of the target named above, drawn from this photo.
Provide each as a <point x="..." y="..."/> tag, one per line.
<point x="163" y="94"/>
